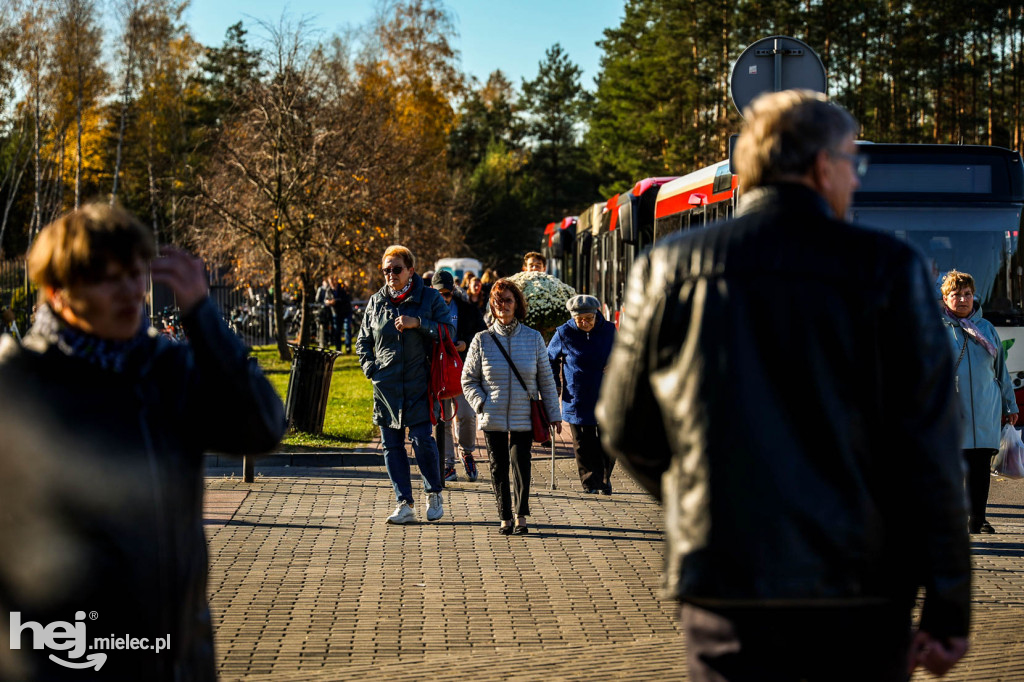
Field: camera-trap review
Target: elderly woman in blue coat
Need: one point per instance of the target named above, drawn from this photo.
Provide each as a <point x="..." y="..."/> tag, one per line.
<point x="983" y="386"/>
<point x="400" y="324"/>
<point x="578" y="353"/>
<point x="495" y="393"/>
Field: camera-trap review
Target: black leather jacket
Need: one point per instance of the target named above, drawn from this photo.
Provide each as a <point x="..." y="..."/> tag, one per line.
<point x="101" y="493"/>
<point x="782" y="384"/>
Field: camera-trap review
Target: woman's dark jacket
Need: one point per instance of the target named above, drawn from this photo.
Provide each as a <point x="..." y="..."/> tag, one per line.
<point x="398" y="363"/>
<point x="582" y="357"/>
<point x="101" y="488"/>
<point x="782" y="383"/>
<point x="469" y="321"/>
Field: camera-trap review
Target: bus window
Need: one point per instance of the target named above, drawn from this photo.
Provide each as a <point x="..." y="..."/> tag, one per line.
<point x="723" y="180"/>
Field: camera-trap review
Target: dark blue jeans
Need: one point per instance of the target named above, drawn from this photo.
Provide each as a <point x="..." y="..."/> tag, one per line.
<point x="396" y="461"/>
<point x="342" y="331"/>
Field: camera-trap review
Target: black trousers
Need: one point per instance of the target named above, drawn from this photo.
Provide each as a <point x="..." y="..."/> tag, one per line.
<point x="593" y="463"/>
<point x="979" y="463"/>
<point x="806" y="644"/>
<point x="505" y="448"/>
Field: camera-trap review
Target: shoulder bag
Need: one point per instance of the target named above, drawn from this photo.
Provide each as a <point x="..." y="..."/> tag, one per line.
<point x="445" y="374"/>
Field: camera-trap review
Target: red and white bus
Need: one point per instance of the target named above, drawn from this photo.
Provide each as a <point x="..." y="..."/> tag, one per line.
<point x="960" y="206"/>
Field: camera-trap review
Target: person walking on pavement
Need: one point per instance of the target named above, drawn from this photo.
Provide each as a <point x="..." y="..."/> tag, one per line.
<point x="983" y="387"/>
<point x="468" y="321"/>
<point x="340" y="303"/>
<point x="400" y="324"/>
<point x="105" y="428"/>
<point x="324" y="314"/>
<point x="579" y="352"/>
<point x="506" y="366"/>
<point x="782" y="384"/>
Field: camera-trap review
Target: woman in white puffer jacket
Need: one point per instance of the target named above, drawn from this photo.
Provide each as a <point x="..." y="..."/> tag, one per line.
<point x="501" y="402"/>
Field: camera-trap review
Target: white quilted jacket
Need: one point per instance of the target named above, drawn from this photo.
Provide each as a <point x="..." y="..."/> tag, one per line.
<point x="493" y="390"/>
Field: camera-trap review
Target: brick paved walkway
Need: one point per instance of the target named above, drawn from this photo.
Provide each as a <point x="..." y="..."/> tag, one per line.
<point x="308" y="582"/>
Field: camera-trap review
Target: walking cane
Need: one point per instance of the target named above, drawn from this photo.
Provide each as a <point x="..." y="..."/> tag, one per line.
<point x="551" y="432"/>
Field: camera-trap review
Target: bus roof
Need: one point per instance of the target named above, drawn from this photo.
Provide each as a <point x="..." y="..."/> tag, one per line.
<point x="675" y="196"/>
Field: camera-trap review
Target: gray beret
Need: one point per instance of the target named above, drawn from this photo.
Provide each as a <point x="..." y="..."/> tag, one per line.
<point x="582" y="303"/>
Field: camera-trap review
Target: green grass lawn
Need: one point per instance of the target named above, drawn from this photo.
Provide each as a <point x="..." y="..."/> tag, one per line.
<point x="349" y="405"/>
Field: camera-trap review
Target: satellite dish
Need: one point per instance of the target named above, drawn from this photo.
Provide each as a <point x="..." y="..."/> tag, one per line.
<point x="772" y="64"/>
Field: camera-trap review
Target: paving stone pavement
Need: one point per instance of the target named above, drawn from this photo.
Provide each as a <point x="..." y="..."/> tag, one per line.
<point x="308" y="582"/>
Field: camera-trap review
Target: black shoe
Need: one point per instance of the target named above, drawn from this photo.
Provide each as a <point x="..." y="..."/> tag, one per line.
<point x="607" y="490"/>
<point x="505" y="530"/>
<point x="590" y="491"/>
<point x="521" y="530"/>
<point x="986" y="528"/>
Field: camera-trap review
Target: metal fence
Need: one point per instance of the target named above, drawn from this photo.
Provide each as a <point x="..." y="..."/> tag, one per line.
<point x="16" y="292"/>
<point x="248" y="311"/>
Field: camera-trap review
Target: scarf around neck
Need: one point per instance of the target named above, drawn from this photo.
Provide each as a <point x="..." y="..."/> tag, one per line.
<point x="506" y="329"/>
<point x="972" y="331"/>
<point x="399" y="296"/>
<point x="106" y="354"/>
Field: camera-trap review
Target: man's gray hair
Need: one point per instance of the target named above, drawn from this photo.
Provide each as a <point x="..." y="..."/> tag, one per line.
<point x="784" y="132"/>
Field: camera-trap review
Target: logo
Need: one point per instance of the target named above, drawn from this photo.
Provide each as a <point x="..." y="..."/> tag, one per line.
<point x="70" y="637"/>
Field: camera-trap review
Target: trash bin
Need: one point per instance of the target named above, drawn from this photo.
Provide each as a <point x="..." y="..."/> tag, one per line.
<point x="308" y="387"/>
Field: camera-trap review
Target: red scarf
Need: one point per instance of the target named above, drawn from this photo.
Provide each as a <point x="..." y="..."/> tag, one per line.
<point x="401" y="295"/>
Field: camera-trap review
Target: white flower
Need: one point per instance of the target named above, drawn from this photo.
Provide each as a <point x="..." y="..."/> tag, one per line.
<point x="545" y="297"/>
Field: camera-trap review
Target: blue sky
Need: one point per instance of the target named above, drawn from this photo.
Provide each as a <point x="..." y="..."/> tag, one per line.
<point x="508" y="34"/>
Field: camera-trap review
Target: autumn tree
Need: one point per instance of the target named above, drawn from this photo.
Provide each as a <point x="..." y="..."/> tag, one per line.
<point x="412" y="67"/>
<point x="296" y="176"/>
<point x="81" y="78"/>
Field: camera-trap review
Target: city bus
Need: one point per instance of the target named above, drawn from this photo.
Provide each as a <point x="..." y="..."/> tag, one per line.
<point x="627" y="228"/>
<point x="587" y="223"/>
<point x="959" y="205"/>
<point x="559" y="249"/>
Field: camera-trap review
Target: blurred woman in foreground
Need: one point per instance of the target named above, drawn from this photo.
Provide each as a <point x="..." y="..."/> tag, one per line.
<point x="106" y="423"/>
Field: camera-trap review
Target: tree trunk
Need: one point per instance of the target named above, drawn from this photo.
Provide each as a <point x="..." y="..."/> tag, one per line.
<point x="37" y="211"/>
<point x="308" y="292"/>
<point x="125" y="95"/>
<point x="281" y="334"/>
<point x="78" y="146"/>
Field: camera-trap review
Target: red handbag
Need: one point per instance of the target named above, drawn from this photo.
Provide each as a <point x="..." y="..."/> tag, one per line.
<point x="445" y="374"/>
<point x="540" y="422"/>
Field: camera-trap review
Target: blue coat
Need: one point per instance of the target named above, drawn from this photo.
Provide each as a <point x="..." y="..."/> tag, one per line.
<point x="398" y="363"/>
<point x="984" y="388"/>
<point x="585" y="355"/>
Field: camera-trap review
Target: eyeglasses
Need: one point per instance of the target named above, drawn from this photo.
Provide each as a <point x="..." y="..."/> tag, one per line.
<point x="504" y="301"/>
<point x="395" y="270"/>
<point x="859" y="161"/>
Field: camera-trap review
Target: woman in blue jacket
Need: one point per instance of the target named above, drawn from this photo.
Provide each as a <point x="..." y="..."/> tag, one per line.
<point x="579" y="350"/>
<point x="983" y="386"/>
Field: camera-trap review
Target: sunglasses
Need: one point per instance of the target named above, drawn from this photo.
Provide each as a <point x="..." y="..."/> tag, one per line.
<point x="395" y="270"/>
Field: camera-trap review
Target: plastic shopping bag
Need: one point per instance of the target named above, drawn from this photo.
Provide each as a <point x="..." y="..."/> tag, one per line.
<point x="1010" y="460"/>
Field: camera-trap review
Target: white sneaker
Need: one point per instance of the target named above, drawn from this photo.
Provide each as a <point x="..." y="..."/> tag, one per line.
<point x="403" y="514"/>
<point x="435" y="510"/>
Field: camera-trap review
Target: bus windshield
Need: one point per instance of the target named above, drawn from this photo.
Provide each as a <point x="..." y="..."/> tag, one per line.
<point x="981" y="241"/>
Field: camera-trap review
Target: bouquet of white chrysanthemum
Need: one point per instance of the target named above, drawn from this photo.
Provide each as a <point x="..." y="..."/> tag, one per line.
<point x="545" y="299"/>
